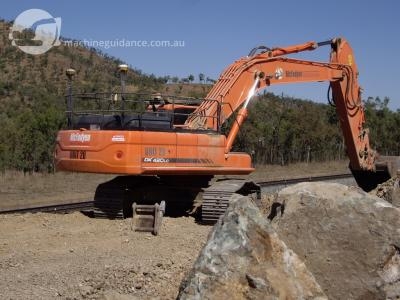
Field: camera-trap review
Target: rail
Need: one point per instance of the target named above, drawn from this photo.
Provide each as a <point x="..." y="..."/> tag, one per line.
<point x="305" y="179"/>
<point x="63" y="207"/>
<point x="67" y="207"/>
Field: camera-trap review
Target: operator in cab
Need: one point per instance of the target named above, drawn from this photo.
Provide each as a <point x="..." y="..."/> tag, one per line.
<point x="156" y="103"/>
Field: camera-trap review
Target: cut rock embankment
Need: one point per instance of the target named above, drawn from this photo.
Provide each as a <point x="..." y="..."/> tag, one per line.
<point x="321" y="240"/>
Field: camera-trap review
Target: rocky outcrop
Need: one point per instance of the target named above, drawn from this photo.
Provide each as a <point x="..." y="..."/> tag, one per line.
<point x="389" y="191"/>
<point x="245" y="259"/>
<point x="349" y="240"/>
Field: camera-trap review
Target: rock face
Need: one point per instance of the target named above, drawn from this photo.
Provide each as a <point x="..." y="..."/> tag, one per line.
<point x="348" y="239"/>
<point x="389" y="191"/>
<point x="245" y="259"/>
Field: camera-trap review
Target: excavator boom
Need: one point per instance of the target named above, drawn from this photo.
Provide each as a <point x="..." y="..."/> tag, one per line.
<point x="271" y="67"/>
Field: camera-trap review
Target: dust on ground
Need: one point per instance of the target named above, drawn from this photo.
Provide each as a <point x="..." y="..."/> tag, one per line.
<point x="71" y="256"/>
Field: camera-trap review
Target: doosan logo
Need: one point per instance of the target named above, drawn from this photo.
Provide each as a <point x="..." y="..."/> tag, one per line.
<point x="79" y="137"/>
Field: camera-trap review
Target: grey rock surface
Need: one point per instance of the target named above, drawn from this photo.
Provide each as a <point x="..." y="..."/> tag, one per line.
<point x="245" y="259"/>
<point x="389" y="191"/>
<point x="348" y="239"/>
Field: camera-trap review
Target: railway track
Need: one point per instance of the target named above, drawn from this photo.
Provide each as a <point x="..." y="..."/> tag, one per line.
<point x="55" y="208"/>
<point x="334" y="177"/>
<point x="266" y="186"/>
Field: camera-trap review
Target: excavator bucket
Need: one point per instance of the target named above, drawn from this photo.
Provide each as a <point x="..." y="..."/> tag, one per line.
<point x="386" y="167"/>
<point x="148" y="217"/>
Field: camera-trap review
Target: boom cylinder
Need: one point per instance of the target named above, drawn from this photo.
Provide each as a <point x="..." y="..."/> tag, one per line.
<point x="240" y="118"/>
<point x="242" y="115"/>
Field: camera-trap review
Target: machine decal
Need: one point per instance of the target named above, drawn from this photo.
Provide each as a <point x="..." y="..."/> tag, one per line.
<point x="156" y="160"/>
<point x="192" y="160"/>
<point x="79" y="137"/>
<point x="150" y="151"/>
<point x="295" y="74"/>
<point x="177" y="160"/>
<point x="154" y="151"/>
<point x="118" y="138"/>
<point x="77" y="154"/>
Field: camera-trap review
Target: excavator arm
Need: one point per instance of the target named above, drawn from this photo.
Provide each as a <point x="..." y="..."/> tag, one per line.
<point x="240" y="81"/>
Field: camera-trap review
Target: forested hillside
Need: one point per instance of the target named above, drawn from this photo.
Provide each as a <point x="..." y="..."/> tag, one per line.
<point x="32" y="89"/>
<point x="279" y="130"/>
<point x="283" y="130"/>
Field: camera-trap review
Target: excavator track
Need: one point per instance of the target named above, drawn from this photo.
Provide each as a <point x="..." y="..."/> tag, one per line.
<point x="114" y="198"/>
<point x="214" y="205"/>
<point x="216" y="198"/>
<point x="109" y="200"/>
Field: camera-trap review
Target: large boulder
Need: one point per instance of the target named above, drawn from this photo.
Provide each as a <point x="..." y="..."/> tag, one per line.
<point x="245" y="259"/>
<point x="348" y="239"/>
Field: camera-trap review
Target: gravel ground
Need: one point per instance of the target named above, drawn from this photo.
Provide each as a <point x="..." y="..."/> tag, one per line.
<point x="71" y="256"/>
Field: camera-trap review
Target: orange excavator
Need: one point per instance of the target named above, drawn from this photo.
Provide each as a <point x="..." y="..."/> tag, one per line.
<point x="172" y="152"/>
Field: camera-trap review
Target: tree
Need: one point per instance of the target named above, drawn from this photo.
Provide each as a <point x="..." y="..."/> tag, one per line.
<point x="201" y="78"/>
<point x="210" y="80"/>
<point x="175" y="79"/>
<point x="190" y="78"/>
<point x="166" y="78"/>
<point x="383" y="126"/>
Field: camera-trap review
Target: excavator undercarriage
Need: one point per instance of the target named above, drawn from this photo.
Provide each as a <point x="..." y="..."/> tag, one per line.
<point x="179" y="192"/>
<point x="139" y="197"/>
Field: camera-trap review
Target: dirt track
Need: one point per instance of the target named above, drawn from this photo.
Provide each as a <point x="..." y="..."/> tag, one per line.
<point x="44" y="256"/>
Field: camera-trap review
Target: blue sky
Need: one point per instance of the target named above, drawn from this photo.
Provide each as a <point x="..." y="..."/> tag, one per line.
<point x="216" y="33"/>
